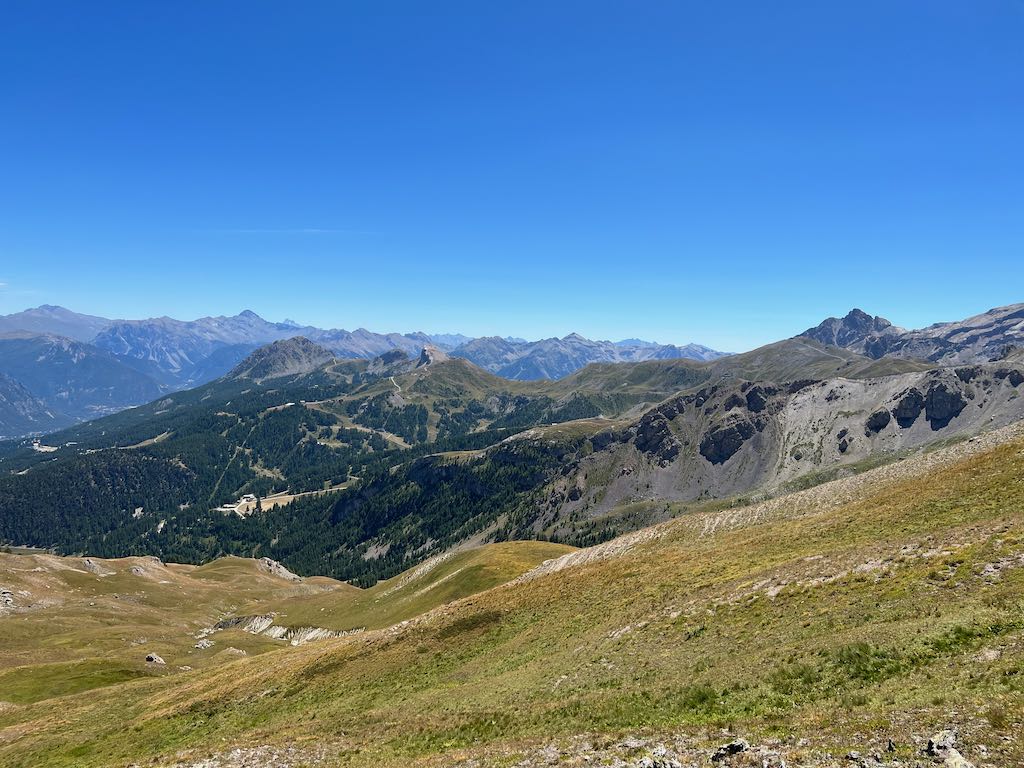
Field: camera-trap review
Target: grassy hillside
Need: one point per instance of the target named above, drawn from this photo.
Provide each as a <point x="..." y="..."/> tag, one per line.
<point x="76" y="625"/>
<point x="877" y="607"/>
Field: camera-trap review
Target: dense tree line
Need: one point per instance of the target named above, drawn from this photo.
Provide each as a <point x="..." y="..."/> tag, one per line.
<point x="144" y="481"/>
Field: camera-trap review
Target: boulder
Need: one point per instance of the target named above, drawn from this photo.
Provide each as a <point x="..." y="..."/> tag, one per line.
<point x="942" y="749"/>
<point x="940" y="743"/>
<point x="734" y="747"/>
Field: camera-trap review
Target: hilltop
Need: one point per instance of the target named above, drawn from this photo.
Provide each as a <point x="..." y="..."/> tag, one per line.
<point x="287" y="357"/>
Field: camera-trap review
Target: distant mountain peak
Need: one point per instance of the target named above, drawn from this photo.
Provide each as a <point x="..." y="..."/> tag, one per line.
<point x="854" y="329"/>
<point x="287" y="357"/>
<point x="51" y="318"/>
<point x="431" y="354"/>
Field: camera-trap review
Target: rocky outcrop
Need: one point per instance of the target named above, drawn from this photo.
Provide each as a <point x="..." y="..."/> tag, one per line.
<point x="97" y="568"/>
<point x="1014" y="375"/>
<point x="721" y="442"/>
<point x="430" y="355"/>
<point x="22" y="413"/>
<point x="274" y="568"/>
<point x="654" y="437"/>
<point x="943" y="404"/>
<point x="990" y="336"/>
<point x="909" y="407"/>
<point x="941" y="748"/>
<point x="264" y="625"/>
<point x="758" y="395"/>
<point x="876" y="422"/>
<point x="734" y="747"/>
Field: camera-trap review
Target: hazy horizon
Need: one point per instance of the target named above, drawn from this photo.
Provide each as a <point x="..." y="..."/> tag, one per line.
<point x="428" y="332"/>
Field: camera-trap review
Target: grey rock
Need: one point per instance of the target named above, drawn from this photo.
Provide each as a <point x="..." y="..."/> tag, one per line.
<point x="734" y="747"/>
<point x="876" y="422"/>
<point x="722" y="442"/>
<point x="909" y="408"/>
<point x="943" y="404"/>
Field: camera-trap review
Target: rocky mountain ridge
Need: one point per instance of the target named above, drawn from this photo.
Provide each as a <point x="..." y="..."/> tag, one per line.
<point x="287" y="357"/>
<point x="23" y="413"/>
<point x="554" y="358"/>
<point x="71" y="377"/>
<point x="160" y="355"/>
<point x="989" y="336"/>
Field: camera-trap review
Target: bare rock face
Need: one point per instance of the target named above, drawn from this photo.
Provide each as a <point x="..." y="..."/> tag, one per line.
<point x="856" y="330"/>
<point x="943" y="404"/>
<point x="1013" y="374"/>
<point x="723" y="441"/>
<point x="876" y="422"/>
<point x="991" y="336"/>
<point x="286" y="357"/>
<point x="431" y="354"/>
<point x="654" y="436"/>
<point x="909" y="408"/>
<point x="758" y="396"/>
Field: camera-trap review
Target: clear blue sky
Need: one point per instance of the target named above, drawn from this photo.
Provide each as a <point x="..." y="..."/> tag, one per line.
<point x="721" y="172"/>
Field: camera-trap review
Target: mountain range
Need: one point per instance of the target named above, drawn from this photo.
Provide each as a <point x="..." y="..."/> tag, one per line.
<point x="423" y="452"/>
<point x="411" y="560"/>
<point x="72" y="363"/>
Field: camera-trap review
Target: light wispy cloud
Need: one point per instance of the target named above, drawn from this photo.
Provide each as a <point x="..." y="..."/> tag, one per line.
<point x="291" y="231"/>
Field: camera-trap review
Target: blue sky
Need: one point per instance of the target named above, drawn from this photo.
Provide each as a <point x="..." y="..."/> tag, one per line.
<point x="726" y="172"/>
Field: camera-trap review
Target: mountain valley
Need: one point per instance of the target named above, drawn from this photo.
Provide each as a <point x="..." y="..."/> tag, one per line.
<point x="408" y="559"/>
